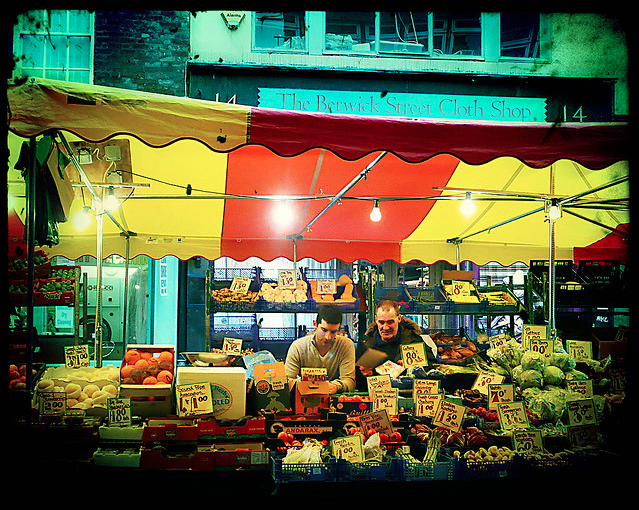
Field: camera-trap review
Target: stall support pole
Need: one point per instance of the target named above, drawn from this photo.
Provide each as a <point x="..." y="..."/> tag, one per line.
<point x="99" y="206"/>
<point x="126" y="291"/>
<point x="551" y="278"/>
<point x="31" y="198"/>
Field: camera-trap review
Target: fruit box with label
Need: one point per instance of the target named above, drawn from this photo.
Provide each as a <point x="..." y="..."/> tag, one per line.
<point x="270" y="389"/>
<point x="170" y="429"/>
<point x="146" y="377"/>
<point x="352" y="404"/>
<point x="311" y="396"/>
<point x="241" y="454"/>
<point x="179" y="456"/>
<point x="228" y="388"/>
<point x="245" y="427"/>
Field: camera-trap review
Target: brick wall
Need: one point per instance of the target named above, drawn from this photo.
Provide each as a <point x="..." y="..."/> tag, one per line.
<point x="142" y="50"/>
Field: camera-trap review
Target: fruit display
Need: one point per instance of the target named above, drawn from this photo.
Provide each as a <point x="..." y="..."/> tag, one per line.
<point x="272" y="293"/>
<point x="226" y="295"/>
<point x="18" y="377"/>
<point x="147" y="367"/>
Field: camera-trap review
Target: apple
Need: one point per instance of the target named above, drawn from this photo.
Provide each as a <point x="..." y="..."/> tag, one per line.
<point x="283" y="436"/>
<point x="395" y="437"/>
<point x="383" y="437"/>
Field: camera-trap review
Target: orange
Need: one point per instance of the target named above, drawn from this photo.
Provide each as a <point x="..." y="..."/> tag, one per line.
<point x="150" y="380"/>
<point x="146" y="355"/>
<point x="166" y="356"/>
<point x="153" y="360"/>
<point x="131" y="356"/>
<point x="165" y="377"/>
<point x="125" y="371"/>
<point x="141" y="363"/>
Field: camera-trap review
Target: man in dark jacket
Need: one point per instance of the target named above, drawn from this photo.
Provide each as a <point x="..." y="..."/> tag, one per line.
<point x="389" y="331"/>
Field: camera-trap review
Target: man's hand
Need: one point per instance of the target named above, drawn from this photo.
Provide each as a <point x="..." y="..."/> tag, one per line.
<point x="366" y="371"/>
<point x="332" y="388"/>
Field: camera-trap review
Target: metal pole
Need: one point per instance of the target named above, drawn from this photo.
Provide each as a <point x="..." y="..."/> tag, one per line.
<point x="31" y="198"/>
<point x="551" y="278"/>
<point x="126" y="292"/>
<point x="98" y="290"/>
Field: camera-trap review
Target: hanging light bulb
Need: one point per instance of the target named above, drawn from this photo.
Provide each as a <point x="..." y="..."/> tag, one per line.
<point x="283" y="214"/>
<point x="376" y="213"/>
<point x="82" y="218"/>
<point x="111" y="203"/>
<point x="468" y="206"/>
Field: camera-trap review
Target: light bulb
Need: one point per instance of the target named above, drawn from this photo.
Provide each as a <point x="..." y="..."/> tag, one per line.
<point x="282" y="214"/>
<point x="468" y="206"/>
<point x="111" y="203"/>
<point x="376" y="213"/>
<point x="81" y="219"/>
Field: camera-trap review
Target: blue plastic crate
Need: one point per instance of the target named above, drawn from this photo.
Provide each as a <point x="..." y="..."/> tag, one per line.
<point x="389" y="470"/>
<point x="420" y="471"/>
<point x="484" y="470"/>
<point x="311" y="472"/>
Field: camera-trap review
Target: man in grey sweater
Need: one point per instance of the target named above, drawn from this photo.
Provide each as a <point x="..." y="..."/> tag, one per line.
<point x="325" y="348"/>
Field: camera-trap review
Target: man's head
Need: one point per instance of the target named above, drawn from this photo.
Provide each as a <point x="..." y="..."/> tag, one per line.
<point x="328" y="322"/>
<point x="387" y="319"/>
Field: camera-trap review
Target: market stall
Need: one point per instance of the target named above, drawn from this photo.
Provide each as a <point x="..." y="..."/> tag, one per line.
<point x="203" y="179"/>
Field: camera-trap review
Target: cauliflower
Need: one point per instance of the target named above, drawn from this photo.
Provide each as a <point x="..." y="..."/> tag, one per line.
<point x="531" y="360"/>
<point x="553" y="375"/>
<point x="530" y="378"/>
<point x="562" y="360"/>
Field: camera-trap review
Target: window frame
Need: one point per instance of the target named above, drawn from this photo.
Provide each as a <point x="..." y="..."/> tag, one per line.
<point x="260" y="49"/>
<point x="20" y="30"/>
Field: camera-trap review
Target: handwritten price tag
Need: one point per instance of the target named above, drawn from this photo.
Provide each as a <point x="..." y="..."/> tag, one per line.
<point x="499" y="393"/>
<point x="584" y="436"/>
<point x="378" y="420"/>
<point x="584" y="388"/>
<point x="543" y="347"/>
<point x="286" y="279"/>
<point x="427" y="405"/>
<point x="240" y="285"/>
<point x="497" y="340"/>
<point x="425" y="387"/>
<point x="484" y="379"/>
<point x="532" y="332"/>
<point x="349" y="448"/>
<point x="449" y="415"/>
<point x="232" y="346"/>
<point x="378" y="381"/>
<point x="414" y="355"/>
<point x="528" y="442"/>
<point x="326" y="286"/>
<point x="579" y="350"/>
<point x="194" y="399"/>
<point x="581" y="412"/>
<point x="512" y="415"/>
<point x="76" y="356"/>
<point x="313" y="374"/>
<point x="119" y="412"/>
<point x="460" y="288"/>
<point x="52" y="404"/>
<point x="385" y="398"/>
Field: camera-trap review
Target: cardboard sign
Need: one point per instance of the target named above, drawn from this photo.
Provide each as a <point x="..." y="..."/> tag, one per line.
<point x="449" y="415"/>
<point x="500" y="393"/>
<point x="375" y="382"/>
<point x="385" y="398"/>
<point x="348" y="448"/>
<point x="427" y="405"/>
<point x="232" y="346"/>
<point x="484" y="378"/>
<point x="528" y="442"/>
<point x="378" y="420"/>
<point x="425" y="387"/>
<point x="119" y="412"/>
<point x="414" y="355"/>
<point x="581" y="412"/>
<point x="76" y="356"/>
<point x="272" y="391"/>
<point x="533" y="332"/>
<point x="240" y="285"/>
<point x="194" y="399"/>
<point x="497" y="341"/>
<point x="326" y="286"/>
<point x="313" y="374"/>
<point x="286" y="279"/>
<point x="52" y="403"/>
<point x="584" y="388"/>
<point x="579" y="350"/>
<point x="311" y="396"/>
<point x="512" y="415"/>
<point x="543" y="347"/>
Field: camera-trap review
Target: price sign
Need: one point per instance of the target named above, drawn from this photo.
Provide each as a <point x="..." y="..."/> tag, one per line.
<point x="484" y="379"/>
<point x="543" y="347"/>
<point x="378" y="381"/>
<point x="499" y="393"/>
<point x="119" y="412"/>
<point x="584" y="436"/>
<point x="286" y="279"/>
<point x="414" y="355"/>
<point x="460" y="288"/>
<point x="584" y="388"/>
<point x="581" y="412"/>
<point x="512" y="415"/>
<point x="240" y="285"/>
<point x="385" y="398"/>
<point x="449" y="415"/>
<point x="232" y="346"/>
<point x="378" y="420"/>
<point x="349" y="448"/>
<point x="528" y="442"/>
<point x="194" y="399"/>
<point x="52" y="403"/>
<point x="313" y="374"/>
<point x="497" y="341"/>
<point x="425" y="387"/>
<point x="427" y="405"/>
<point x="532" y="332"/>
<point x="326" y="286"/>
<point x="579" y="350"/>
<point x="76" y="356"/>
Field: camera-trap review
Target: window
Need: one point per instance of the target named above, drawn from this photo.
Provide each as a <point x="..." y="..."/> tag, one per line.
<point x="281" y="31"/>
<point x="519" y="34"/>
<point x="403" y="32"/>
<point x="350" y="31"/>
<point x="55" y="44"/>
<point x="457" y="33"/>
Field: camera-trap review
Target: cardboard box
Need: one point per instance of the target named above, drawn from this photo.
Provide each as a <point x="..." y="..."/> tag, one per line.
<point x="271" y="388"/>
<point x="228" y="388"/>
<point x="241" y="454"/>
<point x="310" y="397"/>
<point x="211" y="428"/>
<point x="172" y="429"/>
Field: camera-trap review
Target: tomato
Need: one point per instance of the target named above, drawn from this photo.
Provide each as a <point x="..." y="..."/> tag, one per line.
<point x="283" y="436"/>
<point x="395" y="437"/>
